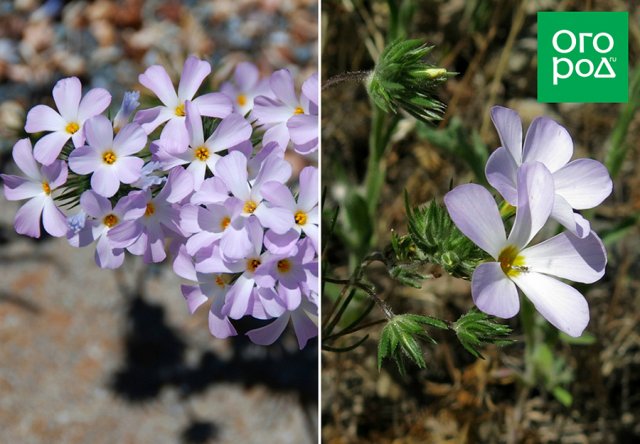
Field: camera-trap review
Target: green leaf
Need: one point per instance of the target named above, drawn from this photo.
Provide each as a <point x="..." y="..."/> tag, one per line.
<point x="563" y="396"/>
<point x="586" y="339"/>
<point x="475" y="329"/>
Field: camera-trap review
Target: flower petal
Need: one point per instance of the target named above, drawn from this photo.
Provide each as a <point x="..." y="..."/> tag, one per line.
<point x="246" y="76"/>
<point x="232" y="131"/>
<point x="19" y="188"/>
<point x="493" y="292"/>
<point x="214" y="105"/>
<point x="268" y="334"/>
<point x="193" y="296"/>
<point x="549" y="143"/>
<point x="238" y="297"/>
<point x="130" y="140"/>
<point x="48" y="148"/>
<point x="308" y="195"/>
<point x="569" y="257"/>
<point x="128" y="169"/>
<point x="278" y="195"/>
<point x="44" y="118"/>
<point x="84" y="160"/>
<point x="194" y="125"/>
<point x="509" y="127"/>
<point x="27" y="220"/>
<point x="232" y="169"/>
<point x="220" y="326"/>
<point x="281" y="83"/>
<point x="475" y="213"/>
<point x="157" y="80"/>
<point x="572" y="221"/>
<point x="193" y="74"/>
<point x="152" y="118"/>
<point x="535" y="201"/>
<point x="583" y="183"/>
<point x="104" y="181"/>
<point x="560" y="304"/>
<point x="501" y="172"/>
<point x="95" y="205"/>
<point x="66" y="94"/>
<point x="99" y="132"/>
<point x="93" y="103"/>
<point x="23" y="157"/>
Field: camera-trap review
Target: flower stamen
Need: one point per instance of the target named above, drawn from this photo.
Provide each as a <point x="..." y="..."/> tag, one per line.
<point x="202" y="153"/>
<point x="46" y="188"/>
<point x="109" y="157"/>
<point x="511" y="262"/>
<point x="72" y="127"/>
<point x="252" y="264"/>
<point x="180" y="110"/>
<point x="300" y="217"/>
<point x="110" y="220"/>
<point x="249" y="206"/>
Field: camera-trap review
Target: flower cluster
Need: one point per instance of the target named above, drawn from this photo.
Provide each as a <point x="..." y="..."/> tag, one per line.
<point x="541" y="183"/>
<point x="200" y="178"/>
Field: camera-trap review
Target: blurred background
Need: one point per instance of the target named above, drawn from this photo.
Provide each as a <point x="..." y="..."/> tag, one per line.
<point x="91" y="355"/>
<point x="585" y="391"/>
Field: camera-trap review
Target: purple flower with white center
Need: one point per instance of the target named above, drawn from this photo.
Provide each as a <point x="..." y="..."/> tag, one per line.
<point x="37" y="186"/>
<point x="303" y="128"/>
<point x="579" y="185"/>
<point x="104" y="218"/>
<point x="304" y="212"/>
<point x="212" y="286"/>
<point x="493" y="284"/>
<point x="232" y="170"/>
<point x="276" y="113"/>
<point x="173" y="109"/>
<point x="130" y="102"/>
<point x="110" y="160"/>
<point x="203" y="154"/>
<point x="68" y="121"/>
<point x="145" y="236"/>
<point x="246" y="86"/>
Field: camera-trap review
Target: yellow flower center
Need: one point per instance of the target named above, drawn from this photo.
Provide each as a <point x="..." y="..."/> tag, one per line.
<point x="46" y="188"/>
<point x="219" y="281"/>
<point x="242" y="99"/>
<point x="298" y="110"/>
<point x="249" y="206"/>
<point x="110" y="220"/>
<point x="180" y="110"/>
<point x="300" y="217"/>
<point x="252" y="264"/>
<point x="150" y="209"/>
<point x="109" y="157"/>
<point x="284" y="265"/>
<point x="511" y="262"/>
<point x="72" y="128"/>
<point x="224" y="223"/>
<point x="202" y="153"/>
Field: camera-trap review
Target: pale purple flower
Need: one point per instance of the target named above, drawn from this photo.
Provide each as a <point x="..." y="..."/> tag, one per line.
<point x="246" y="86"/>
<point x="103" y="218"/>
<point x="580" y="184"/>
<point x="304" y="212"/>
<point x="203" y="154"/>
<point x="232" y="170"/>
<point x="145" y="236"/>
<point x="210" y="286"/>
<point x="244" y="297"/>
<point x="275" y="113"/>
<point x="68" y="121"/>
<point x="37" y="186"/>
<point x="173" y="109"/>
<point x="130" y="102"/>
<point x="110" y="160"/>
<point x="564" y="256"/>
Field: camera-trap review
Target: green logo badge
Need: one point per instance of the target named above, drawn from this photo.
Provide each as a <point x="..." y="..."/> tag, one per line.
<point x="583" y="57"/>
